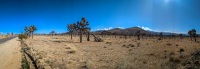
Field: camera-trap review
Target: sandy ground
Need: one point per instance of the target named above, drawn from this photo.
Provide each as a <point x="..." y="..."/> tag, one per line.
<point x="10" y="55"/>
<point x="60" y="52"/>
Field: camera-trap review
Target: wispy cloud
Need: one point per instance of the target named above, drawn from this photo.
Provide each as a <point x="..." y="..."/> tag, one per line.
<point x="121" y="27"/>
<point x="155" y="30"/>
<point x="109" y="28"/>
<point x="106" y="28"/>
<point x="146" y="28"/>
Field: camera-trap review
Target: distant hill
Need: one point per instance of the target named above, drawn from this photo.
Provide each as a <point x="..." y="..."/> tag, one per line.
<point x="133" y="30"/>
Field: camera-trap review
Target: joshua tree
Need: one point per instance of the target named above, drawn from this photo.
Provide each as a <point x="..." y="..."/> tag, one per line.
<point x="160" y="35"/>
<point x="88" y="33"/>
<point x="104" y="33"/>
<point x="81" y="26"/>
<point x="26" y="29"/>
<point x="192" y="34"/>
<point x="52" y="33"/>
<point x="125" y="36"/>
<point x="32" y="29"/>
<point x="181" y="50"/>
<point x="114" y="33"/>
<point x="71" y="28"/>
<point x="138" y="34"/>
<point x="181" y="36"/>
<point x="143" y="34"/>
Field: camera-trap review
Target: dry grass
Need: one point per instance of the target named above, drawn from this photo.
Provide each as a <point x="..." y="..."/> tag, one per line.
<point x="114" y="53"/>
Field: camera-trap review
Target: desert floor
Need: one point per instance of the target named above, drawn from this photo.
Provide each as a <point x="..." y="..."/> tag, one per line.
<point x="61" y="52"/>
<point x="10" y="55"/>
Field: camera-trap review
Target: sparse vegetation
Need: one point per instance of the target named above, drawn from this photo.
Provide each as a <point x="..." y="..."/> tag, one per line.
<point x="24" y="64"/>
<point x="32" y="29"/>
<point x="116" y="44"/>
<point x="60" y="38"/>
<point x="71" y="28"/>
<point x="29" y="31"/>
<point x="22" y="36"/>
<point x="138" y="35"/>
<point x="174" y="60"/>
<point x="169" y="44"/>
<point x="181" y="50"/>
<point x="138" y="44"/>
<point x="71" y="51"/>
<point x="192" y="34"/>
<point x="52" y="33"/>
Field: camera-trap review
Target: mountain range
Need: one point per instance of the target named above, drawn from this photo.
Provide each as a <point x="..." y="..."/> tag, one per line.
<point x="133" y="30"/>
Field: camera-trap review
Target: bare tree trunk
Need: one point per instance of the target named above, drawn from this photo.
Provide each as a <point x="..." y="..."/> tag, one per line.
<point x="88" y="36"/>
<point x="138" y="37"/>
<point x="29" y="35"/>
<point x="81" y="36"/>
<point x="32" y="34"/>
<point x="71" y="35"/>
<point x="125" y="36"/>
<point x="191" y="37"/>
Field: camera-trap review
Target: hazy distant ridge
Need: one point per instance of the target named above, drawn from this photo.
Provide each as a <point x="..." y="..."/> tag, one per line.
<point x="134" y="30"/>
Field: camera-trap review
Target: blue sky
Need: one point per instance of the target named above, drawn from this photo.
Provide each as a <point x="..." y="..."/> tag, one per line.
<point x="48" y="15"/>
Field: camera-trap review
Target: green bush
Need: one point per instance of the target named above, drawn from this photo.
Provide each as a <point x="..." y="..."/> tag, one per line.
<point x="22" y="36"/>
<point x="24" y="64"/>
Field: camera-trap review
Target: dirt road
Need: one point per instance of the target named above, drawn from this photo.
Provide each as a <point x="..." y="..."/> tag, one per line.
<point x="10" y="55"/>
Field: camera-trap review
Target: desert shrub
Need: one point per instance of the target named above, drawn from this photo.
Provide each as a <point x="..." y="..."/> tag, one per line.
<point x="24" y="63"/>
<point x="196" y="55"/>
<point x="109" y="43"/>
<point x="145" y="62"/>
<point x="127" y="47"/>
<point x="181" y="50"/>
<point x="84" y="67"/>
<point x="159" y="39"/>
<point x="172" y="53"/>
<point x="40" y="57"/>
<point x="71" y="51"/>
<point x="191" y="64"/>
<point x="174" y="60"/>
<point x="131" y="45"/>
<point x="48" y="62"/>
<point x="57" y="41"/>
<point x="22" y="36"/>
<point x="68" y="48"/>
<point x="168" y="44"/>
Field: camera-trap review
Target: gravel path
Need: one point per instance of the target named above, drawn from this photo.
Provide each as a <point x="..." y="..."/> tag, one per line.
<point x="10" y="55"/>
